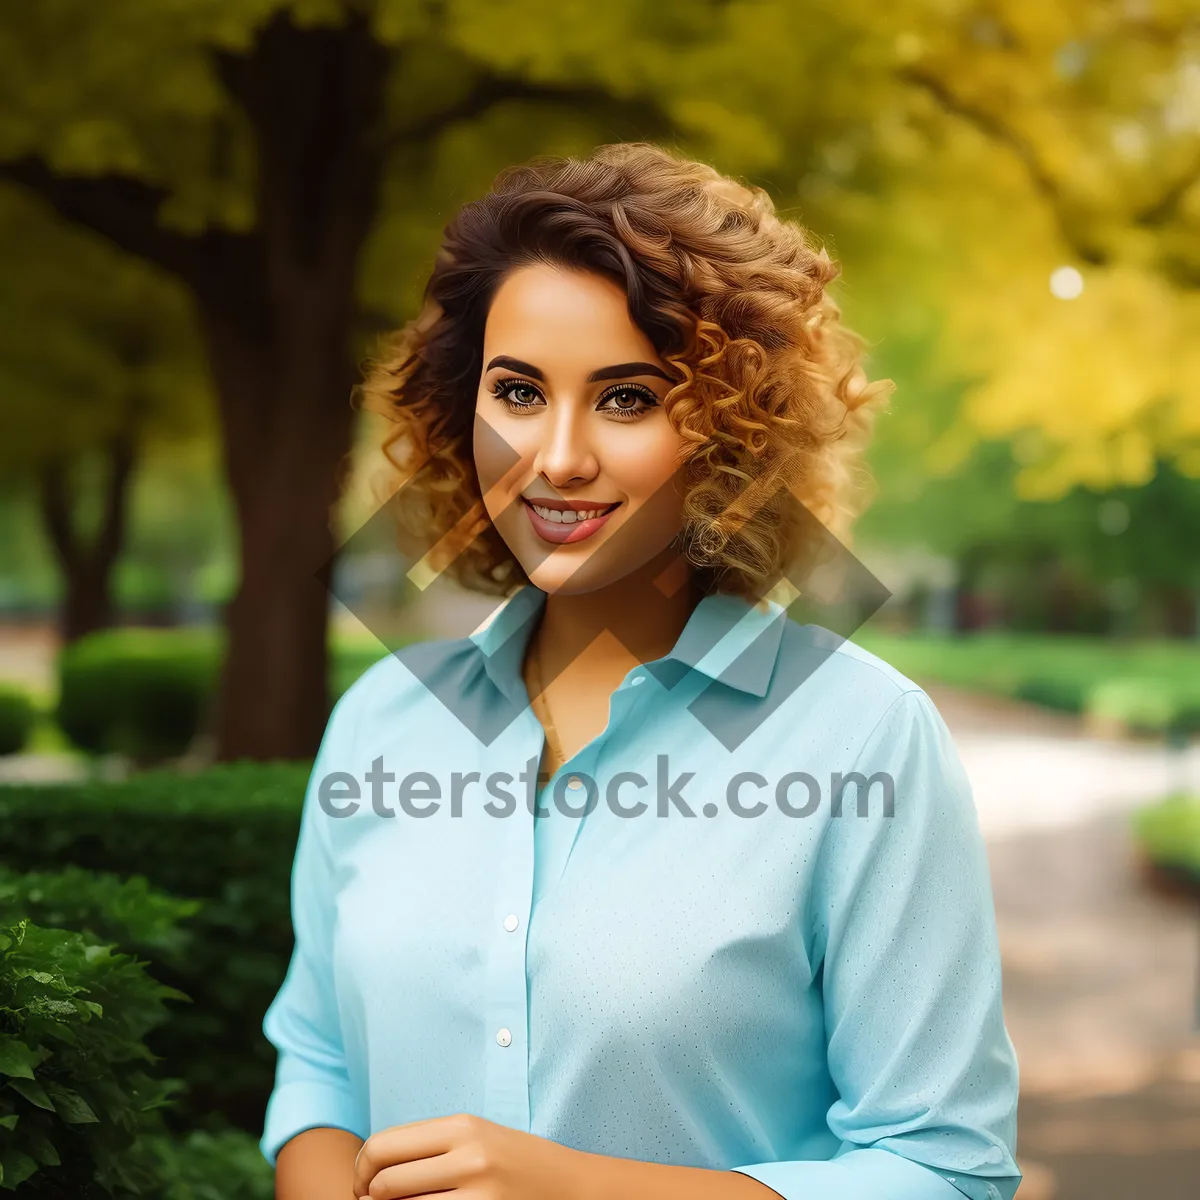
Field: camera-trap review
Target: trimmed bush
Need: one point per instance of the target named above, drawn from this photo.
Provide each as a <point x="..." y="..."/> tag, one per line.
<point x="212" y="1166"/>
<point x="1145" y="706"/>
<point x="128" y="913"/>
<point x="1169" y="833"/>
<point x="1145" y="686"/>
<point x="225" y="836"/>
<point x="146" y="693"/>
<point x="1066" y="695"/>
<point x="139" y="692"/>
<point x="18" y="715"/>
<point x="75" y="1095"/>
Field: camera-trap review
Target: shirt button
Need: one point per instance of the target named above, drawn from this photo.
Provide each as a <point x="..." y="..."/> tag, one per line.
<point x="504" y="1037"/>
<point x="510" y="922"/>
<point x="574" y="783"/>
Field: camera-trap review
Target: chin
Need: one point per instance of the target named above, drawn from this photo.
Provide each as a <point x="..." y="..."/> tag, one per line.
<point x="566" y="578"/>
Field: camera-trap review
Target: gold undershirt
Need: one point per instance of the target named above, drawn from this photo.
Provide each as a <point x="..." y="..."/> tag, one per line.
<point x="552" y="755"/>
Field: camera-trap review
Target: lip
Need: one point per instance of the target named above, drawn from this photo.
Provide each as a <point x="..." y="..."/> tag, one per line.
<point x="558" y="533"/>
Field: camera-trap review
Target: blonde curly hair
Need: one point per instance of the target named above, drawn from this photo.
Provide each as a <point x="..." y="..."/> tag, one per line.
<point x="773" y="398"/>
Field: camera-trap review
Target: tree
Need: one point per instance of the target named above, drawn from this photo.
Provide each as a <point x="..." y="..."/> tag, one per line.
<point x="1095" y="110"/>
<point x="292" y="161"/>
<point x="241" y="147"/>
<point x="97" y="362"/>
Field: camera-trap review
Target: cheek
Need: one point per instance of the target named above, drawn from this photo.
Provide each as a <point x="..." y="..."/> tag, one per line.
<point x="642" y="465"/>
<point x="498" y="448"/>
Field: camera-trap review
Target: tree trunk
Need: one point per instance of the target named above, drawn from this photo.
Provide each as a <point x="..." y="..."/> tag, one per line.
<point x="87" y="567"/>
<point x="278" y="316"/>
<point x="286" y="427"/>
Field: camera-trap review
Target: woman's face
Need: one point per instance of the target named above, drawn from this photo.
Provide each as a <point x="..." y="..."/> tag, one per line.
<point x="573" y="449"/>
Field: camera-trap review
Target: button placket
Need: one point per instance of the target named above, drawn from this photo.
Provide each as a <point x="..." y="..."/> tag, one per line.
<point x="505" y="999"/>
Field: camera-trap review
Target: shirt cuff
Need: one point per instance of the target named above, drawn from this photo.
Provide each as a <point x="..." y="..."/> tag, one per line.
<point x="871" y="1174"/>
<point x="307" y="1104"/>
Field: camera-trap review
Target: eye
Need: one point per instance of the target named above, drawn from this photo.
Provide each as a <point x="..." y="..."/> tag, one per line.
<point x="507" y="391"/>
<point x="630" y="400"/>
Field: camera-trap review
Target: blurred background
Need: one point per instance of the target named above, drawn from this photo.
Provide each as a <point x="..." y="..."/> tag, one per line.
<point x="210" y="210"/>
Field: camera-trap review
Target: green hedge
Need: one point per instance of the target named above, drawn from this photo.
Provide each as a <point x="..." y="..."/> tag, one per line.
<point x="225" y="837"/>
<point x="1169" y="833"/>
<point x="128" y="913"/>
<point x="1147" y="687"/>
<point x="76" y="1095"/>
<point x="140" y="692"/>
<point x="146" y="693"/>
<point x="82" y="1098"/>
<point x="18" y="715"/>
<point x="211" y="1166"/>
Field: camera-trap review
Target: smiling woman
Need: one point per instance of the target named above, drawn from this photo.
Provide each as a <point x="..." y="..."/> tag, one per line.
<point x="626" y="375"/>
<point x="578" y="269"/>
<point x="599" y="449"/>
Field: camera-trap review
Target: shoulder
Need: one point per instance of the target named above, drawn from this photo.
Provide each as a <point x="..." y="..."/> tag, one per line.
<point x="816" y="666"/>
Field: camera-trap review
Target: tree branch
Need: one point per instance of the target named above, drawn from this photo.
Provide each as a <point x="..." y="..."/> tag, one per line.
<point x="490" y="90"/>
<point x="125" y="212"/>
<point x="1041" y="177"/>
<point x="121" y="455"/>
<point x="54" y="490"/>
<point x="1161" y="210"/>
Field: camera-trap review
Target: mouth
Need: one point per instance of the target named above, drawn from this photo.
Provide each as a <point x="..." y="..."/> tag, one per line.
<point x="561" y="525"/>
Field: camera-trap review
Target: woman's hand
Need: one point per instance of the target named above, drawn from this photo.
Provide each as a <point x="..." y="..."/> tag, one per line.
<point x="470" y="1156"/>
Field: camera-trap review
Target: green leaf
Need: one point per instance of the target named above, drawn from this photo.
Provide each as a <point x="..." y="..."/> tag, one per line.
<point x="72" y="1107"/>
<point x="42" y="1148"/>
<point x="33" y="1092"/>
<point x="10" y="1122"/>
<point x="15" y="1168"/>
<point x="18" y="1059"/>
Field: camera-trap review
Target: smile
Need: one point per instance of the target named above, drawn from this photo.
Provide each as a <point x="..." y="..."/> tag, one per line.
<point x="560" y="525"/>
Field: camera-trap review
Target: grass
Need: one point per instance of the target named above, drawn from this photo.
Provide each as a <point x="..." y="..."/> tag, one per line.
<point x="1144" y="686"/>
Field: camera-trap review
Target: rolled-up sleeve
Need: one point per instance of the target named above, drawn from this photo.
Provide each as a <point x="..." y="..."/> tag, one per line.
<point x="312" y="1087"/>
<point x="903" y="926"/>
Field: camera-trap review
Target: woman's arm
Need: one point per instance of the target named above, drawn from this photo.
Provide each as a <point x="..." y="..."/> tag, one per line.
<point x="470" y="1155"/>
<point x="902" y="921"/>
<point x="317" y="1164"/>
<point x="313" y="1090"/>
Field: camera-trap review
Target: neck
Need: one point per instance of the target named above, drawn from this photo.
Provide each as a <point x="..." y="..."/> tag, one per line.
<point x="642" y="614"/>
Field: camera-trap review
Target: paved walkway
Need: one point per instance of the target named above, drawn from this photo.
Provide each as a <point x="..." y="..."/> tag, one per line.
<point x="1100" y="970"/>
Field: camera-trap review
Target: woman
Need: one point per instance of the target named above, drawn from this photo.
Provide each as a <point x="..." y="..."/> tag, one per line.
<point x="694" y="973"/>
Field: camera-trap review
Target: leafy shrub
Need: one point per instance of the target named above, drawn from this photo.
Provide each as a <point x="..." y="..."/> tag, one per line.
<point x="1169" y="832"/>
<point x="212" y="1166"/>
<point x="225" y="836"/>
<point x="75" y="1095"/>
<point x="128" y="913"/>
<point x="1144" y="706"/>
<point x="18" y="715"/>
<point x="1050" y="692"/>
<point x="1148" y="686"/>
<point x="146" y="693"/>
<point x="139" y="692"/>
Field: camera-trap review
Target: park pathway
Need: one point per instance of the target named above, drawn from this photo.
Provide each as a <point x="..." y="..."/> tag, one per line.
<point x="1100" y="970"/>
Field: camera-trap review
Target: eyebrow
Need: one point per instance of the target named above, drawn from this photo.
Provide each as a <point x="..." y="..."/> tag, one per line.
<point x="619" y="371"/>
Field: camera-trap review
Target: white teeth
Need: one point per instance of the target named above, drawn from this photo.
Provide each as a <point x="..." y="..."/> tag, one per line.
<point x="565" y="516"/>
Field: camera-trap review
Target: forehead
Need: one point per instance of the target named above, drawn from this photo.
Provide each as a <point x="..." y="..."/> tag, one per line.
<point x="548" y="314"/>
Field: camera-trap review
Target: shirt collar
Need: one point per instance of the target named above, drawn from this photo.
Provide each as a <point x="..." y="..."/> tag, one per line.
<point x="728" y="639"/>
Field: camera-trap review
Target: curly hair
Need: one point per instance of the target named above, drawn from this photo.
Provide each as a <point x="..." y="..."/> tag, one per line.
<point x="773" y="397"/>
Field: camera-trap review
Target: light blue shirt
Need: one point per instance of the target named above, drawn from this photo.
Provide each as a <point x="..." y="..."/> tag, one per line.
<point x="736" y="978"/>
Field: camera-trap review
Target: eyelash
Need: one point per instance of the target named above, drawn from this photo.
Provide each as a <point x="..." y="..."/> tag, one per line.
<point x="500" y="389"/>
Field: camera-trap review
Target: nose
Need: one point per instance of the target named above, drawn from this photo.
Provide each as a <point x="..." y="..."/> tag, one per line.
<point x="565" y="455"/>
